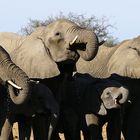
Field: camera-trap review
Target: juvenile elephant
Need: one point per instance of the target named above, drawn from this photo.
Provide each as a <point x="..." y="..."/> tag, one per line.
<point x="87" y="101"/>
<point x="13" y="75"/>
<point x="109" y="97"/>
<point x="42" y="103"/>
<point x="121" y="63"/>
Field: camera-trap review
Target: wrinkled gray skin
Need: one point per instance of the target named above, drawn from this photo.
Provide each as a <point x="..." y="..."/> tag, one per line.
<point x="10" y="71"/>
<point x="122" y="60"/>
<point x="85" y="99"/>
<point x="60" y="41"/>
<point x="12" y="104"/>
<point x="38" y="54"/>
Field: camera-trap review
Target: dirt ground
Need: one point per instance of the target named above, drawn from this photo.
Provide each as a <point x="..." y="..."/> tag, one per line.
<point x="15" y="131"/>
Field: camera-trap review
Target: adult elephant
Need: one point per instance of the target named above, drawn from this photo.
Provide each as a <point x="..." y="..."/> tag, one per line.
<point x="20" y="95"/>
<point x="120" y="61"/>
<point x="38" y="53"/>
<point x="51" y="51"/>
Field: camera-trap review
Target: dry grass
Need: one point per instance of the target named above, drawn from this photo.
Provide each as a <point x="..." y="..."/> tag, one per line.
<point x="15" y="131"/>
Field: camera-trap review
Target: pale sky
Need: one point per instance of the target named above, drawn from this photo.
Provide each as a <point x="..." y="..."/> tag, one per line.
<point x="124" y="15"/>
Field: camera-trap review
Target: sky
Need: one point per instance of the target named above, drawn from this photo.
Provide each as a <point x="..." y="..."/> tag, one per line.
<point x="124" y="15"/>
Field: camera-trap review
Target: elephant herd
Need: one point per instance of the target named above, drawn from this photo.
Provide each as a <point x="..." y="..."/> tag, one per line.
<point x="61" y="79"/>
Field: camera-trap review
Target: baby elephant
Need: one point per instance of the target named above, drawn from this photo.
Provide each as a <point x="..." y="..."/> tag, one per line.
<point x="103" y="102"/>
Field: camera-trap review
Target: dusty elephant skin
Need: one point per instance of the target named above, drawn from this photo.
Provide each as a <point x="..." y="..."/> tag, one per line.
<point x="46" y="52"/>
<point x="26" y="98"/>
<point x="60" y="41"/>
<point x="121" y="63"/>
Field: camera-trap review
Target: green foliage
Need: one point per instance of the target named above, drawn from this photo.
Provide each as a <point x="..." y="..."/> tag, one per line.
<point x="99" y="26"/>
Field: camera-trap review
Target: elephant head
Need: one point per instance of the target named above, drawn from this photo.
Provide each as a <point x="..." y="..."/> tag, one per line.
<point x="63" y="38"/>
<point x="60" y="41"/>
<point x="14" y="76"/>
<point x="114" y="94"/>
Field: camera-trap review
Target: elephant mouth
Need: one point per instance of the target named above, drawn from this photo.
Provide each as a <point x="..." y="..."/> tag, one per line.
<point x="78" y="46"/>
<point x="114" y="103"/>
<point x="69" y="58"/>
<point x="117" y="100"/>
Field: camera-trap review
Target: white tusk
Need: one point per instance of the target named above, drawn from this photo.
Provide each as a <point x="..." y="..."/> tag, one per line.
<point x="115" y="101"/>
<point x="129" y="101"/>
<point x="14" y="85"/>
<point x="73" y="41"/>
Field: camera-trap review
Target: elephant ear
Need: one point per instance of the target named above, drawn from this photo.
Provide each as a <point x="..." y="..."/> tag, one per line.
<point x="126" y="59"/>
<point x="33" y="58"/>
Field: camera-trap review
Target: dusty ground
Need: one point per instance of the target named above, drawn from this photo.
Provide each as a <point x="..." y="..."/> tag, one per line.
<point x="15" y="131"/>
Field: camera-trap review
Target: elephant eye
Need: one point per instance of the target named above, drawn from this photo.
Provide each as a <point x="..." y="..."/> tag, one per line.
<point x="57" y="33"/>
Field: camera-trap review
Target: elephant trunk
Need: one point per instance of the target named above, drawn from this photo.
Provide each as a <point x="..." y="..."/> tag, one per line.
<point x="10" y="72"/>
<point x="90" y="40"/>
<point x="123" y="97"/>
<point x="22" y="80"/>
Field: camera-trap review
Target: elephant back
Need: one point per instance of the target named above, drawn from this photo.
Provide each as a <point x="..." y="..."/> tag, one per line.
<point x="126" y="59"/>
<point x="10" y="41"/>
<point x="98" y="66"/>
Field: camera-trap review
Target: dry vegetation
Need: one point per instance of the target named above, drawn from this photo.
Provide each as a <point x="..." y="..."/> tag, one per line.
<point x="15" y="131"/>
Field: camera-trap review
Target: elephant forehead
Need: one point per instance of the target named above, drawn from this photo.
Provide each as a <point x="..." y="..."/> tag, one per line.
<point x="125" y="61"/>
<point x="60" y="25"/>
<point x="110" y="89"/>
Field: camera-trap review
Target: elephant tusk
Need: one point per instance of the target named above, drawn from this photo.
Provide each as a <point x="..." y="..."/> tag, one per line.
<point x="129" y="101"/>
<point x="14" y="85"/>
<point x="73" y="41"/>
<point x="115" y="101"/>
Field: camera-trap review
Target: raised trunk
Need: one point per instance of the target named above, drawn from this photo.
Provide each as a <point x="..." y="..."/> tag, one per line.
<point x="21" y="79"/>
<point x="86" y="40"/>
<point x="91" y="41"/>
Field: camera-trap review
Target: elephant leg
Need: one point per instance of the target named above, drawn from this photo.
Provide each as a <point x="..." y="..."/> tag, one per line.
<point x="24" y="126"/>
<point x="131" y="124"/>
<point x="55" y="135"/>
<point x="11" y="137"/>
<point x="6" y="129"/>
<point x="40" y="127"/>
<point x="114" y="125"/>
<point x="93" y="130"/>
<point x="52" y="125"/>
<point x="71" y="125"/>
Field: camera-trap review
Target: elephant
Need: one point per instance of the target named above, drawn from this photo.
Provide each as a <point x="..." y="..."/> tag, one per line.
<point x="60" y="41"/>
<point x="51" y="51"/>
<point x="88" y="100"/>
<point x="19" y="93"/>
<point x="41" y="103"/>
<point x="121" y="63"/>
<point x="13" y="101"/>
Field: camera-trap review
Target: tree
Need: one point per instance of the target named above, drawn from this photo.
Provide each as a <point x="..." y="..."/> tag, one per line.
<point x="99" y="26"/>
